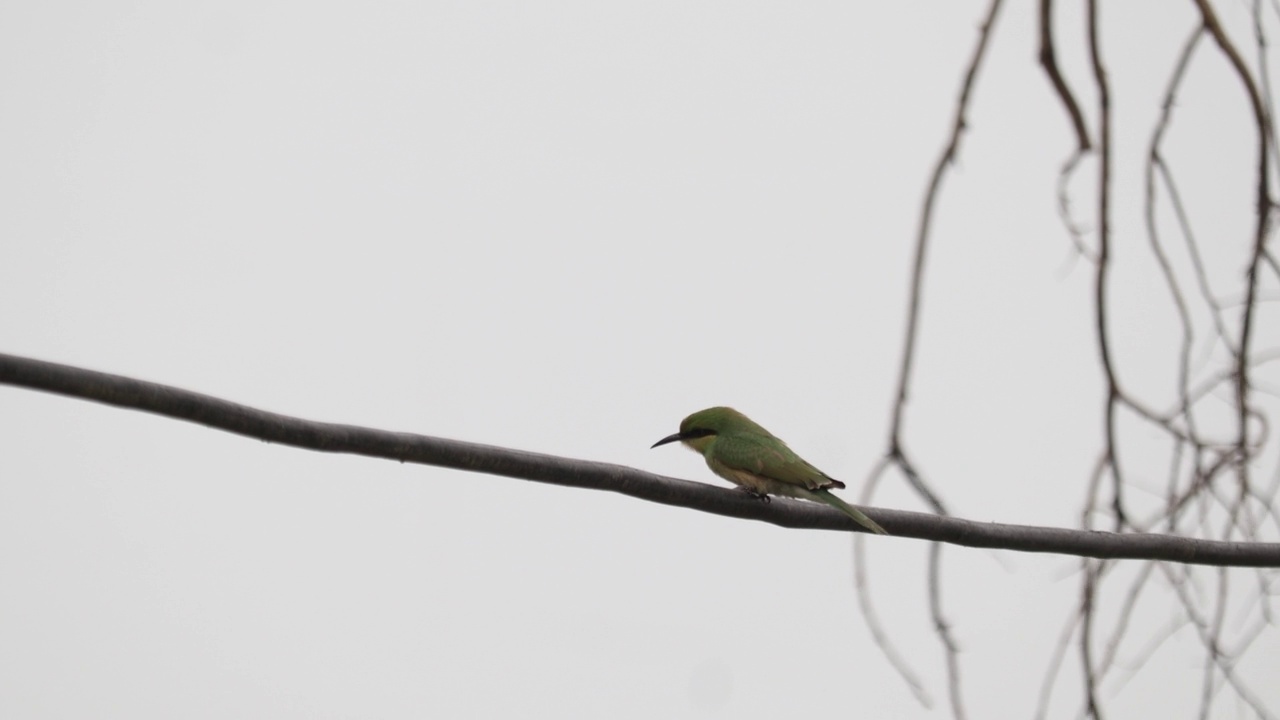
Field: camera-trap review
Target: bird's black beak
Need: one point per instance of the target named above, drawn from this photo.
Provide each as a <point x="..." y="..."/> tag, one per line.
<point x="667" y="439"/>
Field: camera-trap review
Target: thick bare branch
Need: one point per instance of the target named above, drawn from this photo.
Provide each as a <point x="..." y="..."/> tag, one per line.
<point x="407" y="447"/>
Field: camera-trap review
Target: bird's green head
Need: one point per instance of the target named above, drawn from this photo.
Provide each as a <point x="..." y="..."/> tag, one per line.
<point x="700" y="429"/>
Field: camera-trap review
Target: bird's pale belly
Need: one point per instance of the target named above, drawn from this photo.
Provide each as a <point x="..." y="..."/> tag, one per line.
<point x="763" y="485"/>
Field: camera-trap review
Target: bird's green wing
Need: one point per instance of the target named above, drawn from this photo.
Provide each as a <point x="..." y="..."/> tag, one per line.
<point x="771" y="458"/>
<point x="853" y="512"/>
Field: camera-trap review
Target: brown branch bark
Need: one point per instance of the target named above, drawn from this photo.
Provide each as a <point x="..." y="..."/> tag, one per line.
<point x="1049" y="61"/>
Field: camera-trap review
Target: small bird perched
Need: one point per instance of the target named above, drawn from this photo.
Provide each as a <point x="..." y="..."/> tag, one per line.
<point x="747" y="455"/>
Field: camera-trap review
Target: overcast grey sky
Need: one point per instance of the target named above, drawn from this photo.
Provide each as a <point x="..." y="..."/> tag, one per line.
<point x="557" y="227"/>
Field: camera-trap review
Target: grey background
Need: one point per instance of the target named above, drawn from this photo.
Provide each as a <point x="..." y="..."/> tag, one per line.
<point x="558" y="227"/>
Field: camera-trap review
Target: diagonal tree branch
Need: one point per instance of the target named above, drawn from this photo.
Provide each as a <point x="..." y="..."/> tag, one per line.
<point x="1049" y="61"/>
<point x="214" y="412"/>
<point x="896" y="453"/>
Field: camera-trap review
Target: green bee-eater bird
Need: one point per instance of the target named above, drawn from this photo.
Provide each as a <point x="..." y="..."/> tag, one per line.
<point x="747" y="455"/>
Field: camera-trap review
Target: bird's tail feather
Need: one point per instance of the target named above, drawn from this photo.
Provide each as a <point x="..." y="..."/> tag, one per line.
<point x="853" y="512"/>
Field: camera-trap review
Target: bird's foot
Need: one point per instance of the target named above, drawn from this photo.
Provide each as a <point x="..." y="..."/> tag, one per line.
<point x="762" y="497"/>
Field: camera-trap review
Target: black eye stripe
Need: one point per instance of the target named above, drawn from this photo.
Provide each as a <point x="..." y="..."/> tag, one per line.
<point x="698" y="433"/>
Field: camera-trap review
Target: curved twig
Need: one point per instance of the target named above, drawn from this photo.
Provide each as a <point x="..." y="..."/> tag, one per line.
<point x="1049" y="61"/>
<point x="870" y="615"/>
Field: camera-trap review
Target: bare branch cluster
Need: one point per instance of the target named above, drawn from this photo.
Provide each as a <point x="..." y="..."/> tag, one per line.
<point x="1213" y="487"/>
